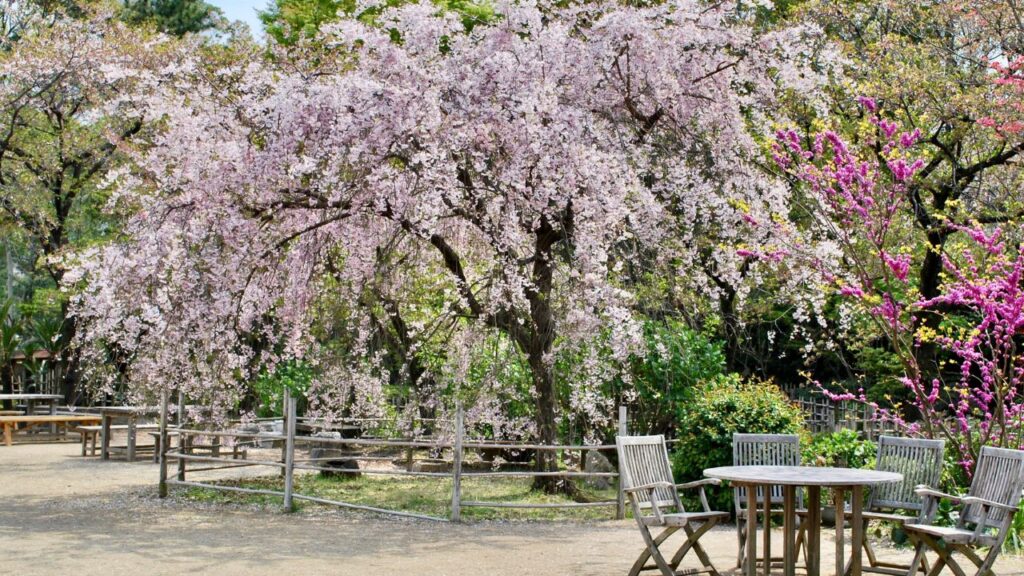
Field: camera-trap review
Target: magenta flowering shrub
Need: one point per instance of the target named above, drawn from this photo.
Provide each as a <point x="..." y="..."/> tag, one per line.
<point x="858" y="204"/>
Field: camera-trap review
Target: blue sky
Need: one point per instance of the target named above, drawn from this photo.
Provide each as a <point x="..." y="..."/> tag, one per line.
<point x="244" y="10"/>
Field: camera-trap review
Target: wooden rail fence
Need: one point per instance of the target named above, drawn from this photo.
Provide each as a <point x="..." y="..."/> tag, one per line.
<point x="289" y="463"/>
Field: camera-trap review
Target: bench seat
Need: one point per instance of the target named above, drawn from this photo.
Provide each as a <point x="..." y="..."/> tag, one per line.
<point x="91" y="432"/>
<point x="10" y="423"/>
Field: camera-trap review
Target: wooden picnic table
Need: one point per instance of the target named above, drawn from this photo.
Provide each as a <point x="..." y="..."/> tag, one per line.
<point x="814" y="479"/>
<point x="31" y="399"/>
<point x="131" y="415"/>
<point x="10" y="423"/>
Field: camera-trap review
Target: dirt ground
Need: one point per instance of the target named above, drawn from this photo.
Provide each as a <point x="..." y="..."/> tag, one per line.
<point x="63" y="514"/>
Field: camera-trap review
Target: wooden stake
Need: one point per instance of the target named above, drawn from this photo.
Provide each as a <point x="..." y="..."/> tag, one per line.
<point x="184" y="441"/>
<point x="163" y="444"/>
<point x="284" y="423"/>
<point x="289" y="462"/>
<point x="620" y="496"/>
<point x="456" y="515"/>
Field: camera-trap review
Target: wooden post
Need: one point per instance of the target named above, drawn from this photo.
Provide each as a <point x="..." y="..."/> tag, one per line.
<point x="789" y="551"/>
<point x="839" y="501"/>
<point x="750" y="569"/>
<point x="284" y="424"/>
<point x="184" y="441"/>
<point x="857" y="530"/>
<point x="456" y="515"/>
<point x="181" y="409"/>
<point x="813" y="533"/>
<point x="289" y="462"/>
<point x="163" y="443"/>
<point x="620" y="496"/>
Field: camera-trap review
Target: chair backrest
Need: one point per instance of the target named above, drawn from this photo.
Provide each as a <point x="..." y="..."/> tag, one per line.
<point x="764" y="450"/>
<point x="998" y="476"/>
<point x="643" y="460"/>
<point x="918" y="460"/>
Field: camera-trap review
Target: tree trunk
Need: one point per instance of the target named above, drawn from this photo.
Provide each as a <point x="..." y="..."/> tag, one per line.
<point x="68" y="356"/>
<point x="8" y="270"/>
<point x="547" y="427"/>
<point x="927" y="354"/>
<point x="540" y="341"/>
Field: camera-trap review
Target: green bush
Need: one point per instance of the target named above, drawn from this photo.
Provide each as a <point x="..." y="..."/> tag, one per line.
<point x="677" y="359"/>
<point x="294" y="375"/>
<point x="717" y="409"/>
<point x="842" y="448"/>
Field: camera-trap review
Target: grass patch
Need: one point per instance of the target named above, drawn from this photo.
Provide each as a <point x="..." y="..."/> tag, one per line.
<point x="430" y="496"/>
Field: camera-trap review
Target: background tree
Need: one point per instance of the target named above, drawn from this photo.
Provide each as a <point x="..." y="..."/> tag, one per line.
<point x="928" y="67"/>
<point x="177" y="17"/>
<point x="510" y="161"/>
<point x="60" y="126"/>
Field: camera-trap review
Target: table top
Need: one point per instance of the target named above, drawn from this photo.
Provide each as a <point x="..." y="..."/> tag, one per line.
<point x="31" y="397"/>
<point x="49" y="418"/>
<point x="128" y="410"/>
<point x="802" y="475"/>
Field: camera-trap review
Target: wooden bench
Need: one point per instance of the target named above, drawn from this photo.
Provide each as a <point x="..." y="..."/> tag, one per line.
<point x="91" y="433"/>
<point x="10" y="423"/>
<point x="237" y="452"/>
<point x="11" y="412"/>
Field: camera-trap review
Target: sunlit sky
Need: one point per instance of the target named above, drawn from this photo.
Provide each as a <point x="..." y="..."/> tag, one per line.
<point x="244" y="10"/>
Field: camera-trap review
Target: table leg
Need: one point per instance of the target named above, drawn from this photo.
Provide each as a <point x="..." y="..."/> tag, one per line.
<point x="813" y="531"/>
<point x="840" y="503"/>
<point x="105" y="438"/>
<point x="857" y="528"/>
<point x="30" y="410"/>
<point x="789" y="552"/>
<point x="53" y="425"/>
<point x="9" y="433"/>
<point x="767" y="531"/>
<point x="131" y="439"/>
<point x="751" y="567"/>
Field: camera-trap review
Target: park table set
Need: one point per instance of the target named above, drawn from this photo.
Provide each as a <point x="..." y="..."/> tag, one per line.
<point x="790" y="478"/>
<point x="131" y="415"/>
<point x="30" y="400"/>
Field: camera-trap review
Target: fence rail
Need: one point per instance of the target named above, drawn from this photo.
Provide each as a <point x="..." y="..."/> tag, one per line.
<point x="289" y="463"/>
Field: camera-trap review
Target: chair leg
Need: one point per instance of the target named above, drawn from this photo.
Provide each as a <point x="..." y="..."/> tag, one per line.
<point x="945" y="557"/>
<point x="693" y="542"/>
<point x="919" y="558"/>
<point x="652" y="550"/>
<point x="984" y="566"/>
<point x="868" y="550"/>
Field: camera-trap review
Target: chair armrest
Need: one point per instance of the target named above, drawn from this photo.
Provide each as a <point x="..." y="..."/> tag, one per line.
<point x="699" y="483"/>
<point x="650" y="486"/>
<point x="989" y="503"/>
<point x="927" y="491"/>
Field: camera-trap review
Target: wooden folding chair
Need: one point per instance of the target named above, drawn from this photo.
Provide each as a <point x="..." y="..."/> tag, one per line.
<point x="762" y="450"/>
<point x="985" y="518"/>
<point x="646" y="479"/>
<point x="920" y="463"/>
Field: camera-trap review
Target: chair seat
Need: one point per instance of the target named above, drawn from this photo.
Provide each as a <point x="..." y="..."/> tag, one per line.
<point x="742" y="512"/>
<point x="683" y="518"/>
<point x="952" y="534"/>
<point x="882" y="516"/>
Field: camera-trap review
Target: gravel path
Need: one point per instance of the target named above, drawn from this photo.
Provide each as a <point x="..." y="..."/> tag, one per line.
<point x="60" y="513"/>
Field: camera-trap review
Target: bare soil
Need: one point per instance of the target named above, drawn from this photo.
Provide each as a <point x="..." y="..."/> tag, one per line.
<point x="63" y="514"/>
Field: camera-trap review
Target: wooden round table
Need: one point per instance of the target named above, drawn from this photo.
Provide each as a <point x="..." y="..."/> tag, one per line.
<point x="814" y="479"/>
